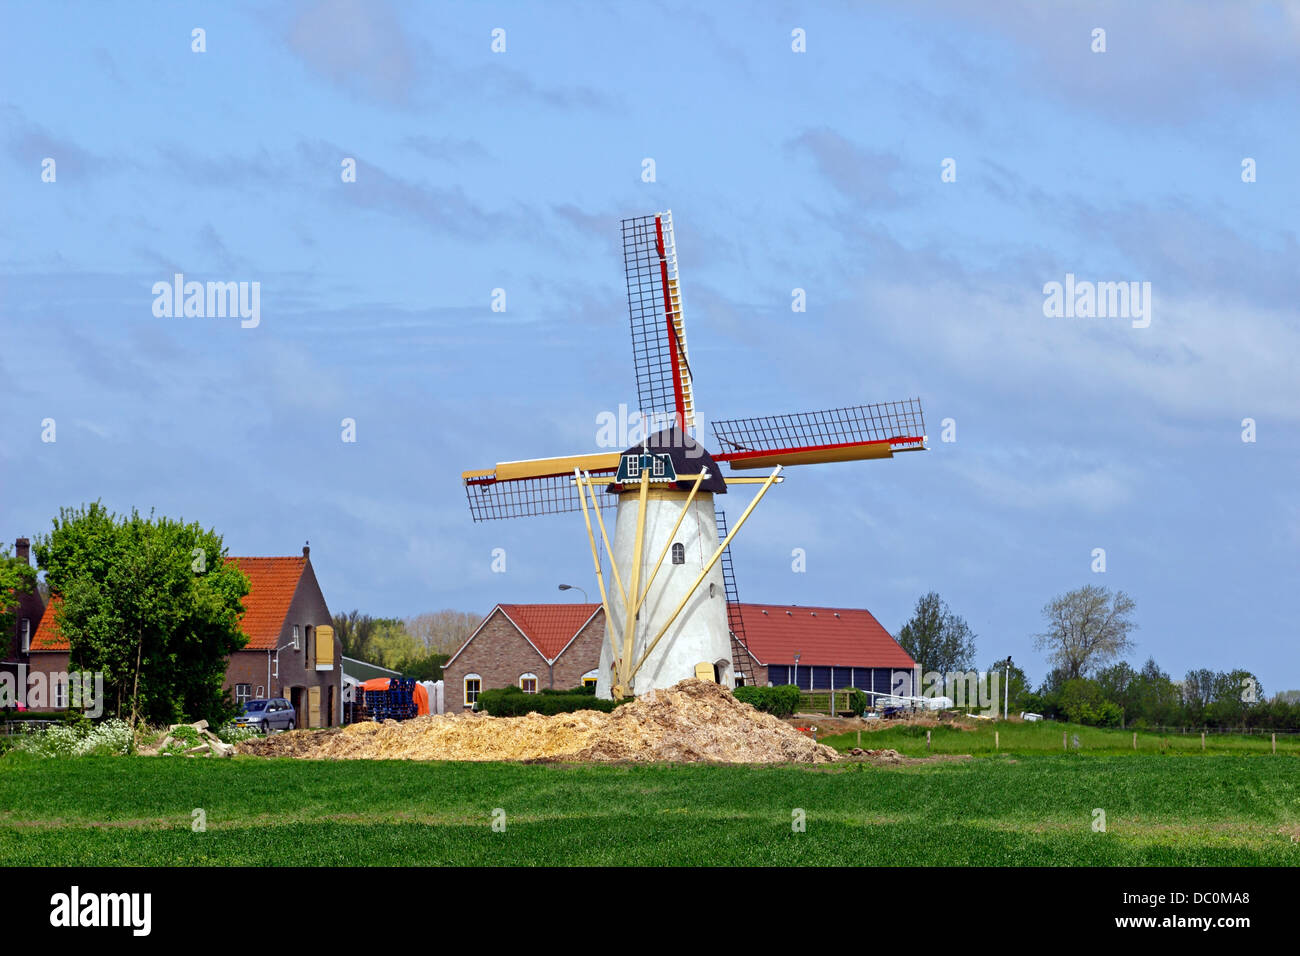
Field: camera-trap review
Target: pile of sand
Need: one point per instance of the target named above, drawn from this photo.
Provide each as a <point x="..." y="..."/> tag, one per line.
<point x="692" y="720"/>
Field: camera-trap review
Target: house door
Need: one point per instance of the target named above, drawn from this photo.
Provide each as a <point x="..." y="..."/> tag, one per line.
<point x="295" y="698"/>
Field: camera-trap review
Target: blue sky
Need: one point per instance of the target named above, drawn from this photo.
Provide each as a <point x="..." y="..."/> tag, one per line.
<point x="818" y="170"/>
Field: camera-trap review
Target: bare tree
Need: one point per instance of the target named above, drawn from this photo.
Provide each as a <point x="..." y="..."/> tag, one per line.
<point x="1086" y="629"/>
<point x="443" y="632"/>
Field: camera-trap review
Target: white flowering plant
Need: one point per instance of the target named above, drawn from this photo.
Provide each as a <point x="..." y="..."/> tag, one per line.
<point x="109" y="738"/>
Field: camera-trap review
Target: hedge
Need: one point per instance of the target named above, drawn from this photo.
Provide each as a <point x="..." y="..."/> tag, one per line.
<point x="513" y="702"/>
<point x="779" y="701"/>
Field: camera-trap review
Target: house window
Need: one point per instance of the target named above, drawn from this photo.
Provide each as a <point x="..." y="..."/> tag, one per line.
<point x="473" y="683"/>
<point x="27" y="634"/>
<point x="679" y="554"/>
<point x="296" y="645"/>
<point x="243" y="694"/>
<point x="311" y="649"/>
<point x="589" y="679"/>
<point x="528" y="683"/>
<point x="60" y="693"/>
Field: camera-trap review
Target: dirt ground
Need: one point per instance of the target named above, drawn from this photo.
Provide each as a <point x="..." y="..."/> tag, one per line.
<point x="691" y="721"/>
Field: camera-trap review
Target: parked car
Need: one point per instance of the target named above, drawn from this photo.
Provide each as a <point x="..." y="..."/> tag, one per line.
<point x="275" y="713"/>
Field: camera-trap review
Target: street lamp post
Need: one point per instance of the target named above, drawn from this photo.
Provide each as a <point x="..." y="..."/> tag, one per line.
<point x="1006" y="691"/>
<point x="574" y="587"/>
<point x="796" y="668"/>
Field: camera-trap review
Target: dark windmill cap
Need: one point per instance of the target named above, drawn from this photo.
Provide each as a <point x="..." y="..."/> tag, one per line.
<point x="688" y="457"/>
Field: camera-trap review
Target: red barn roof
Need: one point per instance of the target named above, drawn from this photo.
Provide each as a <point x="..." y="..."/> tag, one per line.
<point x="823" y="636"/>
<point x="273" y="581"/>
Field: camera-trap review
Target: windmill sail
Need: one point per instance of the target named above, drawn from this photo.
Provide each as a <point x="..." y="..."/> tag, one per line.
<point x="542" y="486"/>
<point x="654" y="302"/>
<point x="837" y="434"/>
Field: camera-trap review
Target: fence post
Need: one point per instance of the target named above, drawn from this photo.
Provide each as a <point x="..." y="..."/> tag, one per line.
<point x="859" y="740"/>
<point x="1135" y="740"/>
<point x="1065" y="740"/>
<point x="1275" y="743"/>
<point x="996" y="743"/>
<point x="1202" y="741"/>
<point x="927" y="740"/>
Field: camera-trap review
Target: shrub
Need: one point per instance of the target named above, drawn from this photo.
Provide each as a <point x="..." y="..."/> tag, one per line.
<point x="779" y="701"/>
<point x="513" y="702"/>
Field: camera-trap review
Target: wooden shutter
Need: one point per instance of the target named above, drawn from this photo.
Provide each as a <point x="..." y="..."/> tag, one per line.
<point x="324" y="648"/>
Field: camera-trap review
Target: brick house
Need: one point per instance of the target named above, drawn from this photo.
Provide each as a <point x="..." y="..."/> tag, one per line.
<point x="292" y="650"/>
<point x="531" y="646"/>
<point x="558" y="645"/>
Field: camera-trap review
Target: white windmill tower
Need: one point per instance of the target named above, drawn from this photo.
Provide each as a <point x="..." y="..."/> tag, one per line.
<point x="671" y="609"/>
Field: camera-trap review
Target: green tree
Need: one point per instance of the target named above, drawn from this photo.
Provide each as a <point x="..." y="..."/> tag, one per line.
<point x="149" y="603"/>
<point x="936" y="638"/>
<point x="1157" y="700"/>
<point x="1082" y="702"/>
<point x="1118" y="684"/>
<point x="356" y="633"/>
<point x="16" y="577"/>
<point x="1086" y="629"/>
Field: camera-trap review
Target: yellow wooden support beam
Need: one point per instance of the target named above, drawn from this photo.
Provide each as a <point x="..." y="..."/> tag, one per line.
<point x="629" y="625"/>
<point x="595" y="557"/>
<point x="705" y="572"/>
<point x="600" y="520"/>
<point x="668" y="542"/>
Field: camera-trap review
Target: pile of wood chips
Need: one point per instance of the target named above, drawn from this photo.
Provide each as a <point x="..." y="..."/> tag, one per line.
<point x="693" y="720"/>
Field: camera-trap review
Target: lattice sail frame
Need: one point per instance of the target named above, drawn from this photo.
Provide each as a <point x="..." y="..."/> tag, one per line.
<point x="654" y="303"/>
<point x="490" y="499"/>
<point x="822" y="436"/>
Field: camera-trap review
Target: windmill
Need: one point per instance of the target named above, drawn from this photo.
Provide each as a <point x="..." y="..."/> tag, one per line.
<point x="667" y="622"/>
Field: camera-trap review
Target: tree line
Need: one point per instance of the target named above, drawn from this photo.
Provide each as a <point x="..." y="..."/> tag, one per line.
<point x="417" y="646"/>
<point x="1087" y="634"/>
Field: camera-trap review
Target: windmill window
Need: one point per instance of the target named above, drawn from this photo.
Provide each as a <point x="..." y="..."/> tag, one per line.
<point x="658" y="467"/>
<point x="679" y="553"/>
<point x="634" y="466"/>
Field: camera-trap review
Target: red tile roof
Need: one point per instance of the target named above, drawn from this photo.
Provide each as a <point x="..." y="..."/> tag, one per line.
<point x="549" y="627"/>
<point x="273" y="583"/>
<point x="47" y="636"/>
<point x="843" y="637"/>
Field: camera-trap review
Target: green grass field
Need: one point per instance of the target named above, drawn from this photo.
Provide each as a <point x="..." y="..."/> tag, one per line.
<point x="1160" y="810"/>
<point x="1044" y="737"/>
